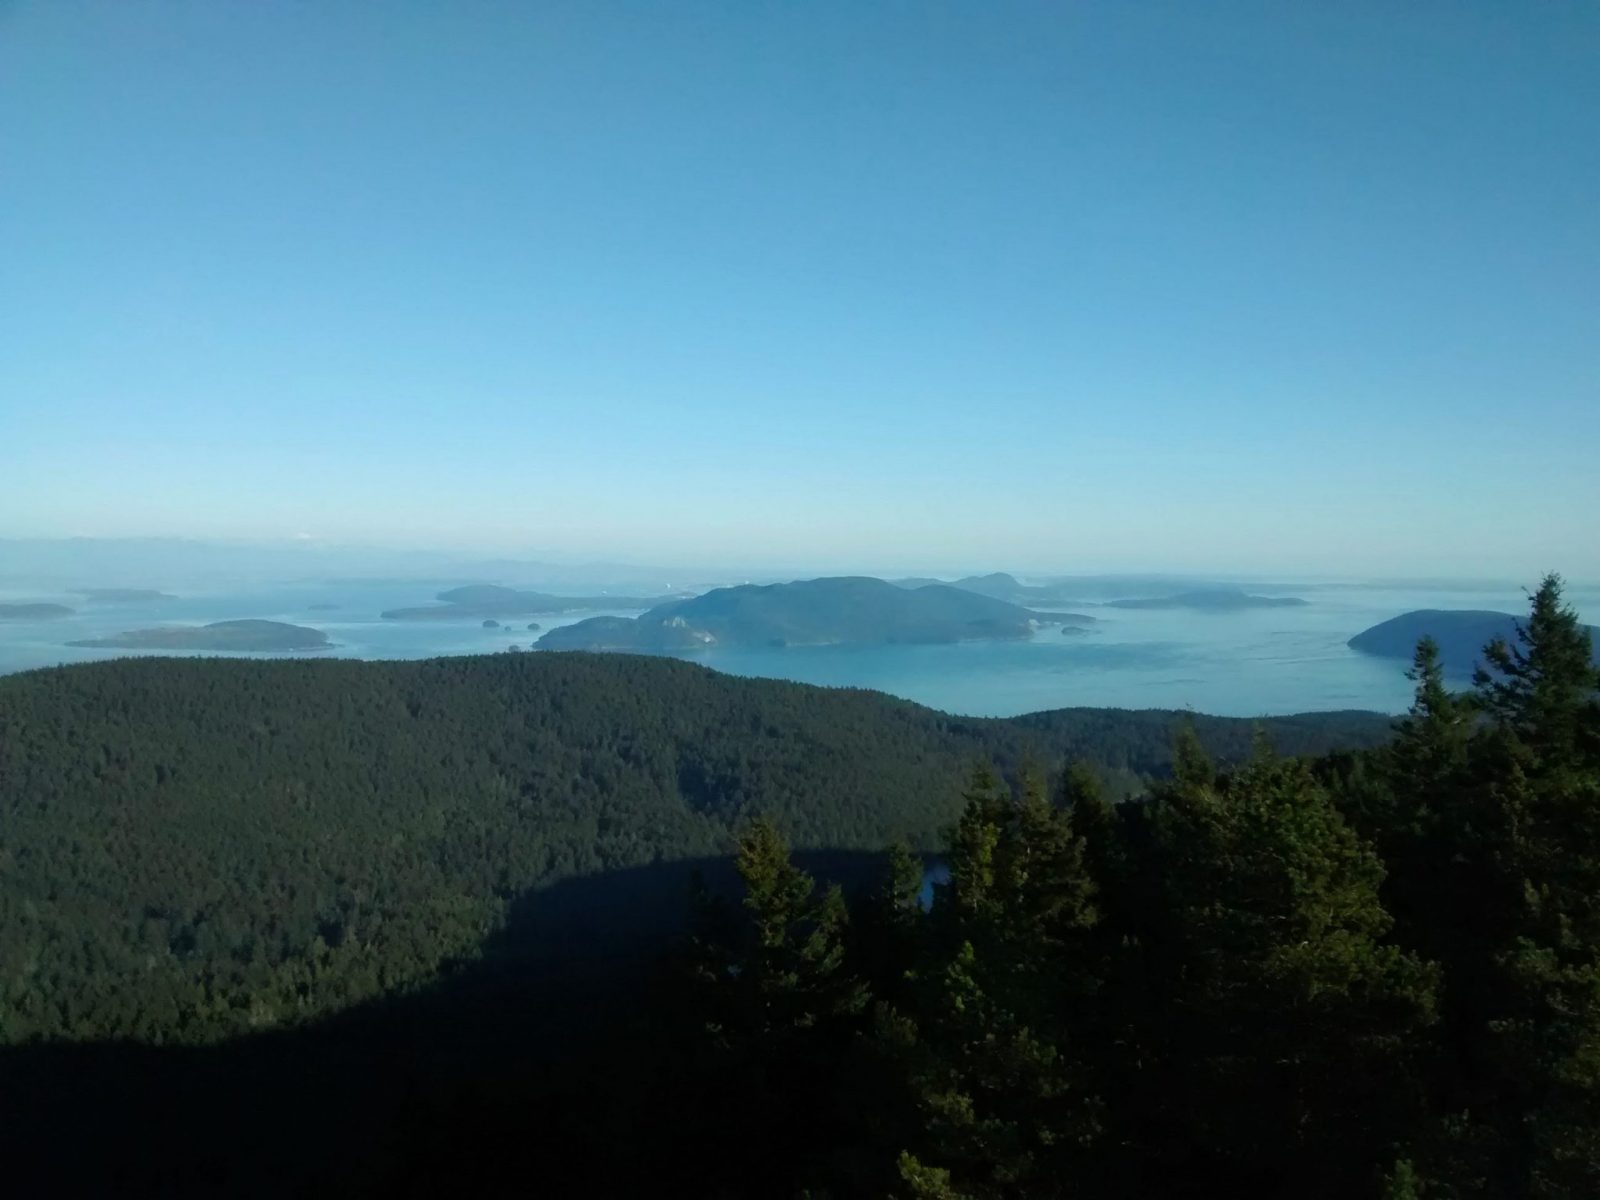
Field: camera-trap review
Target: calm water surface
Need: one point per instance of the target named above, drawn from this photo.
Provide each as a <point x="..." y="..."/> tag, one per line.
<point x="1255" y="662"/>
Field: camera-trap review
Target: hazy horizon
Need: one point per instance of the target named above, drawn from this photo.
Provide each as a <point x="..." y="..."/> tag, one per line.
<point x="68" y="564"/>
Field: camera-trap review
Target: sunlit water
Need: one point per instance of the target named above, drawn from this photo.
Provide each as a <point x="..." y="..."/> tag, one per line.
<point x="1249" y="663"/>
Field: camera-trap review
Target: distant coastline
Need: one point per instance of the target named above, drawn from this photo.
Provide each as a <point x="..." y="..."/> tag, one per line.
<point x="246" y="635"/>
<point x="33" y="612"/>
<point x="478" y="601"/>
<point x="123" y="595"/>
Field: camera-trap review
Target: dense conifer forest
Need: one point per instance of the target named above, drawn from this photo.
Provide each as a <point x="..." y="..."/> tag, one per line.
<point x="584" y="925"/>
<point x="194" y="848"/>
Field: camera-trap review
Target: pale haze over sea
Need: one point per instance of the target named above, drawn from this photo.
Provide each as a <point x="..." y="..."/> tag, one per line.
<point x="1238" y="663"/>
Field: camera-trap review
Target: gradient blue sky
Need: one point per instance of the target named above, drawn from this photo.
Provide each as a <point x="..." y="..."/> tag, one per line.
<point x="1223" y="286"/>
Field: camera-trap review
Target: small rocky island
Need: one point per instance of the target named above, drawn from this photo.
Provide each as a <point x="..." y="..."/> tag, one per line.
<point x="33" y="612"/>
<point x="235" y="636"/>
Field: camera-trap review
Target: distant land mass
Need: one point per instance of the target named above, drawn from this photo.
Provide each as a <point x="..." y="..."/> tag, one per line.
<point x="1461" y="634"/>
<point x="32" y="612"/>
<point x="1210" y="600"/>
<point x="812" y="612"/>
<point x="123" y="595"/>
<point x="1119" y="591"/>
<point x="220" y="635"/>
<point x="997" y="585"/>
<point x="1078" y="621"/>
<point x="489" y="600"/>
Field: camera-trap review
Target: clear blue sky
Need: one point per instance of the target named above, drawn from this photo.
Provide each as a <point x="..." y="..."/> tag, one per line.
<point x="1267" y="286"/>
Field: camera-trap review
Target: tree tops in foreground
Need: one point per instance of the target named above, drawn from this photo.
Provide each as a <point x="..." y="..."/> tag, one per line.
<point x="1376" y="974"/>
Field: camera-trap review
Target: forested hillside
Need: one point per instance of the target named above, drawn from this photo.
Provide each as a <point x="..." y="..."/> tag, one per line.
<point x="191" y="848"/>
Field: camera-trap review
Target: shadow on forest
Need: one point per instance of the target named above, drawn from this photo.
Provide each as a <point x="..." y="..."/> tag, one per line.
<point x="534" y="1064"/>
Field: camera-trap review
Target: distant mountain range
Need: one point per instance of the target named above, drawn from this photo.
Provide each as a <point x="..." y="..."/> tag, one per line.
<point x="808" y="612"/>
<point x="1460" y="633"/>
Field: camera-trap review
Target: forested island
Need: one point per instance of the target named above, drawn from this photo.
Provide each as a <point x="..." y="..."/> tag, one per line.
<point x="1210" y="600"/>
<point x="1460" y="634"/>
<point x="491" y="600"/>
<point x="33" y="611"/>
<point x="246" y="635"/>
<point x="811" y="612"/>
<point x="443" y="927"/>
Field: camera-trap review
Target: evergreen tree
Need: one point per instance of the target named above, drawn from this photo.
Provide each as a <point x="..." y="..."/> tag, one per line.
<point x="1279" y="1025"/>
<point x="1525" y="981"/>
<point x="886" y="935"/>
<point x="1541" y="688"/>
<point x="782" y="1013"/>
<point x="1093" y="821"/>
<point x="995" y="1067"/>
<point x="1427" y="815"/>
<point x="793" y="974"/>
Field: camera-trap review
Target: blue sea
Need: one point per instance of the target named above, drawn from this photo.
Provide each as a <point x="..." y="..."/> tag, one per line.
<point x="1248" y="663"/>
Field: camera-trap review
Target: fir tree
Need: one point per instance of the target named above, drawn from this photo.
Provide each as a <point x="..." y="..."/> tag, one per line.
<point x="1527" y="989"/>
<point x="1280" y="1024"/>
<point x="995" y="1068"/>
<point x="792" y="975"/>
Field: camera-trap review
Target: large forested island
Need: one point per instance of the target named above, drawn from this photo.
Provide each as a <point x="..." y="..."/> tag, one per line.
<point x="246" y="635"/>
<point x="1460" y="634"/>
<point x="619" y="925"/>
<point x="811" y="612"/>
<point x="491" y="600"/>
